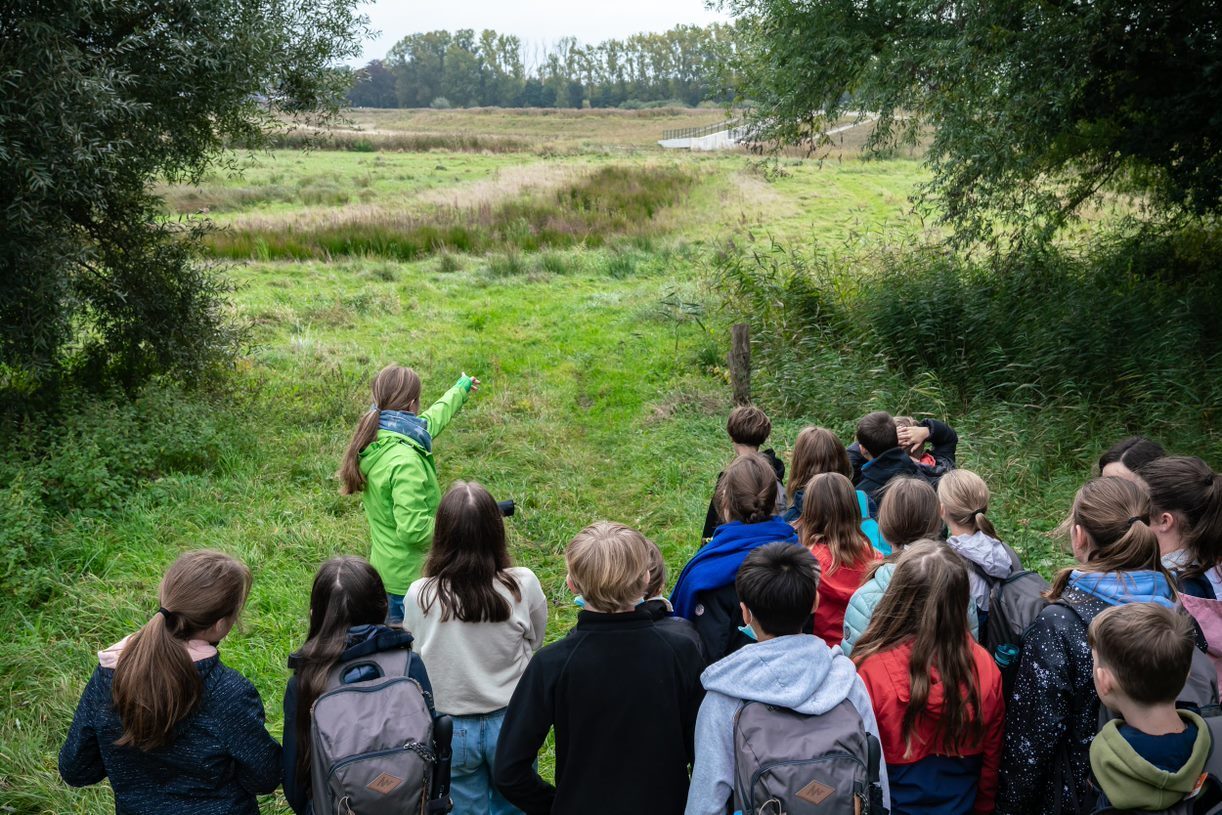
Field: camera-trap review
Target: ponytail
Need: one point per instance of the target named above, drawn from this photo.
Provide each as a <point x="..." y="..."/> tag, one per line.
<point x="965" y="500"/>
<point x="1115" y="515"/>
<point x="351" y="479"/>
<point x="1188" y="488"/>
<point x="747" y="491"/>
<point x="156" y="685"/>
<point x="394" y="388"/>
<point x="347" y="592"/>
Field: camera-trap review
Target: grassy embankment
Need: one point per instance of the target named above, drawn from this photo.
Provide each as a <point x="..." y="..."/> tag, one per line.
<point x="600" y="344"/>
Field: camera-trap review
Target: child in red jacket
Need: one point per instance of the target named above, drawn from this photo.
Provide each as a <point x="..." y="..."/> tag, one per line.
<point x="830" y="527"/>
<point x="943" y="747"/>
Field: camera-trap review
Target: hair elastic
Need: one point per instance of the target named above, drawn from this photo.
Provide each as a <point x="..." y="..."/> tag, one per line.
<point x="165" y="612"/>
<point x="980" y="511"/>
<point x="1145" y="519"/>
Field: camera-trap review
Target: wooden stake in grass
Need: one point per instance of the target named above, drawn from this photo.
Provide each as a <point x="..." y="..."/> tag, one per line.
<point x="740" y="362"/>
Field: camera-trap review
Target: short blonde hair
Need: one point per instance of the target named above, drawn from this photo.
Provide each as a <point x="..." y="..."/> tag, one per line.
<point x="657" y="570"/>
<point x="609" y="565"/>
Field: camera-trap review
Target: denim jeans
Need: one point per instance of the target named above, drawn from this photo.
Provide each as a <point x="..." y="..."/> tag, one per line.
<point x="474" y="748"/>
<point x="394" y="613"/>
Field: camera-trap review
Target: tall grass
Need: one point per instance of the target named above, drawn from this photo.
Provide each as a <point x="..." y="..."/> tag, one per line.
<point x="610" y="202"/>
<point x="1128" y="324"/>
<point x="375" y="141"/>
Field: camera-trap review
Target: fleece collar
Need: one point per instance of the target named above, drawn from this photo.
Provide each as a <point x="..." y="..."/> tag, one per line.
<point x="197" y="650"/>
<point x="1131" y="782"/>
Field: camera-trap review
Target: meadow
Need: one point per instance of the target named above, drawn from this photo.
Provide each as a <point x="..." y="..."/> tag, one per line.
<point x="586" y="286"/>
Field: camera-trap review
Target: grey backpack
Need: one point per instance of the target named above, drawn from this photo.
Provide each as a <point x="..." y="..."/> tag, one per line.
<point x="787" y="763"/>
<point x="371" y="742"/>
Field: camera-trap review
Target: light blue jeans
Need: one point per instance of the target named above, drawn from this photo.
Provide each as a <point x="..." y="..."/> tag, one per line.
<point x="474" y="748"/>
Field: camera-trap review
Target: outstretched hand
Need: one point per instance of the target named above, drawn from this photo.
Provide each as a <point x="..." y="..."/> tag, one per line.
<point x="474" y="382"/>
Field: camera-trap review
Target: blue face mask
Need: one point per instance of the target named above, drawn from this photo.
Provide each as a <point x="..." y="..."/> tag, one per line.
<point x="579" y="601"/>
<point x="748" y="632"/>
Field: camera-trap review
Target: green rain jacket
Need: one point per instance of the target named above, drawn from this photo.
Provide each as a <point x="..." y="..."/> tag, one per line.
<point x="1131" y="782"/>
<point x="402" y="494"/>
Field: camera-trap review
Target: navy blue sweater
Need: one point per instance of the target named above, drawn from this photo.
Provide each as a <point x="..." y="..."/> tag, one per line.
<point x="220" y="759"/>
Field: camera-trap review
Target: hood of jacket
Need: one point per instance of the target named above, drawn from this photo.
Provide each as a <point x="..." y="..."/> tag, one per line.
<point x="197" y="650"/>
<point x="895" y="461"/>
<point x="363" y="640"/>
<point x="386" y="440"/>
<point x="798" y="672"/>
<point x="1119" y="588"/>
<point x="984" y="550"/>
<point x="1131" y="782"/>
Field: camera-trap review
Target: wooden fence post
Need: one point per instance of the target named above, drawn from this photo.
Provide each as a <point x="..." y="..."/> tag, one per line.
<point x="740" y="362"/>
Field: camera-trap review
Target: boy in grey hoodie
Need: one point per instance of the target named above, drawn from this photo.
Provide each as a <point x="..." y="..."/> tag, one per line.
<point x="777" y="586"/>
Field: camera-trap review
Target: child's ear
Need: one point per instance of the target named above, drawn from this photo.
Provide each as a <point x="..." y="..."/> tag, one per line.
<point x="568" y="581"/>
<point x="746" y="612"/>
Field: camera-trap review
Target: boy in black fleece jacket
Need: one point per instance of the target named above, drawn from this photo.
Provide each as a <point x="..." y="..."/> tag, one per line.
<point x="615" y="683"/>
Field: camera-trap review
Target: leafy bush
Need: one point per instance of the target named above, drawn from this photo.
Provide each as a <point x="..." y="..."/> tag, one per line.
<point x="440" y="103"/>
<point x="88" y="465"/>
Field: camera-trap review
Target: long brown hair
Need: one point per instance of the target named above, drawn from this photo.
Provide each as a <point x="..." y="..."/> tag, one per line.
<point x="394" y="388"/>
<point x="747" y="491"/>
<point x="907" y="512"/>
<point x="1115" y="515"/>
<point x="347" y="592"/>
<point x="830" y="515"/>
<point x="926" y="604"/>
<point x="965" y="498"/>
<point x="155" y="684"/>
<point x="816" y="450"/>
<point x="469" y="555"/>
<point x="1188" y="488"/>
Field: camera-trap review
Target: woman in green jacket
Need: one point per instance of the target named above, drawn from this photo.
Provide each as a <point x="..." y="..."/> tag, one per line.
<point x="390" y="462"/>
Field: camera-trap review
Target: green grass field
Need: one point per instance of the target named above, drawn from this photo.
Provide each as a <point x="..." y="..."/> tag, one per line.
<point x="602" y="357"/>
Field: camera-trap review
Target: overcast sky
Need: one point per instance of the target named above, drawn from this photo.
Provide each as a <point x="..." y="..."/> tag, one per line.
<point x="535" y="21"/>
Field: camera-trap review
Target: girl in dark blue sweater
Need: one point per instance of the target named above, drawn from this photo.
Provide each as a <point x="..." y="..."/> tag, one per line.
<point x="173" y="728"/>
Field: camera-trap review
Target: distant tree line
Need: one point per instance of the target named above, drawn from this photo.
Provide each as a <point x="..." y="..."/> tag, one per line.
<point x="686" y="64"/>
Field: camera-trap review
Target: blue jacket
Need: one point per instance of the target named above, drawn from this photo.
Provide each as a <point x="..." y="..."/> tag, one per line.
<point x="704" y="592"/>
<point x="798" y="672"/>
<point x="363" y="640"/>
<point x="220" y="759"/>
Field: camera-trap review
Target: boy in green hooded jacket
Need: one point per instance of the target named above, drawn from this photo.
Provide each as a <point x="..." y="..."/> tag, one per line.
<point x="1155" y="756"/>
<point x="390" y="462"/>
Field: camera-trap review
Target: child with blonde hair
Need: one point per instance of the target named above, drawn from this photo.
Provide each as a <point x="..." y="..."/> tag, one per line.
<point x="616" y="682"/>
<point x="964" y="501"/>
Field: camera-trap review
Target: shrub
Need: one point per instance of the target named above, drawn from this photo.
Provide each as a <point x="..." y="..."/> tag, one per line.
<point x="440" y="103"/>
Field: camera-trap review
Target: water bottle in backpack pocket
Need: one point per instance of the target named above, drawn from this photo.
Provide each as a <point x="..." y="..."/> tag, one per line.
<point x="787" y="763"/>
<point x="372" y="745"/>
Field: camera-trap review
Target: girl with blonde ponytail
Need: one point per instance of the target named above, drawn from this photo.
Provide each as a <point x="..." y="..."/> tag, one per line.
<point x="163" y="718"/>
<point x="390" y="462"/>
<point x="1053" y="711"/>
<point x="963" y="498"/>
